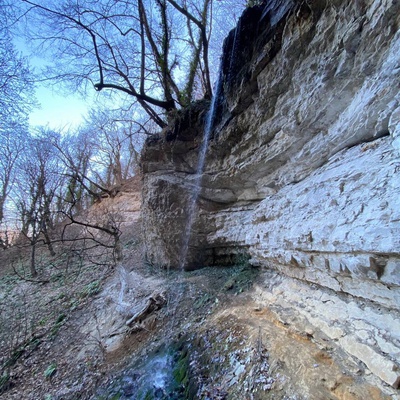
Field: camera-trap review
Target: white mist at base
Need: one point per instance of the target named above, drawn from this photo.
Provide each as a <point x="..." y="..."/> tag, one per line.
<point x="160" y="371"/>
<point x="152" y="378"/>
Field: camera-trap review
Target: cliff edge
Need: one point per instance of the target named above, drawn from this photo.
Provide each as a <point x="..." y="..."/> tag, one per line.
<point x="302" y="172"/>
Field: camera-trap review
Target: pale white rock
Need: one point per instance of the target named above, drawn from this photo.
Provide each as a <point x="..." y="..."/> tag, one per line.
<point x="378" y="365"/>
<point x="388" y="347"/>
<point x="302" y="174"/>
<point x="365" y="332"/>
<point x="394" y="128"/>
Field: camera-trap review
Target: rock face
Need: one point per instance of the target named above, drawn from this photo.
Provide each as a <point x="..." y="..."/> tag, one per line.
<point x="302" y="172"/>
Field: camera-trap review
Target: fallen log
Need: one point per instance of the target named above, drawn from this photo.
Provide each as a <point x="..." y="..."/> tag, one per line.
<point x="153" y="303"/>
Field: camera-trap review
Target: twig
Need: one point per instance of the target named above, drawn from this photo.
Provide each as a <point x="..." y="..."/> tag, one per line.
<point x="29" y="280"/>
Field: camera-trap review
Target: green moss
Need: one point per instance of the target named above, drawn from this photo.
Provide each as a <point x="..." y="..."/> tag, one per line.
<point x="241" y="280"/>
<point x="181" y="373"/>
<point x="185" y="386"/>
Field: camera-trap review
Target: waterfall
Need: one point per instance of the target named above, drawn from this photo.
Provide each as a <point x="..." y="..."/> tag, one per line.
<point x="208" y="127"/>
<point x="196" y="187"/>
<point x="235" y="45"/>
<point x="209" y="124"/>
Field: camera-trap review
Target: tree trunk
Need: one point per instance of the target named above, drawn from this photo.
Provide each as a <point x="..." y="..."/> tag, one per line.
<point x="33" y="263"/>
<point x="117" y="171"/>
<point x="2" y="200"/>
<point x="48" y="241"/>
<point x="117" y="248"/>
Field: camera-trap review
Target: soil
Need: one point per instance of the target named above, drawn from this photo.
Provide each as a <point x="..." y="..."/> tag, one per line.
<point x="234" y="348"/>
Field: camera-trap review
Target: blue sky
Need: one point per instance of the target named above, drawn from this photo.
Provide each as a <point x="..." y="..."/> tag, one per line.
<point x="57" y="111"/>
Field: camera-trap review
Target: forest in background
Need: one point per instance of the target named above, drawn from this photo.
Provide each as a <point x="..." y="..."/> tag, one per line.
<point x="146" y="59"/>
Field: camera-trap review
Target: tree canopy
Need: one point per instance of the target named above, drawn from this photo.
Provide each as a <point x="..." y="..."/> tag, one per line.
<point x="159" y="55"/>
<point x="156" y="51"/>
<point x="16" y="101"/>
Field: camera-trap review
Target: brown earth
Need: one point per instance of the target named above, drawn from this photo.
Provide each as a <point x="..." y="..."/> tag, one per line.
<point x="239" y="348"/>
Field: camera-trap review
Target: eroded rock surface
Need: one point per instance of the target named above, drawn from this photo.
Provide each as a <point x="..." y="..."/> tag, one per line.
<point x="303" y="170"/>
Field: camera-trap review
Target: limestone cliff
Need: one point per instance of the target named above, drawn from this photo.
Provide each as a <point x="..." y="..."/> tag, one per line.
<point x="303" y="170"/>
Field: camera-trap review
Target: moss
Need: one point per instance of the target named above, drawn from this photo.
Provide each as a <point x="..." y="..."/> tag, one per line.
<point x="241" y="280"/>
<point x="181" y="373"/>
<point x="186" y="387"/>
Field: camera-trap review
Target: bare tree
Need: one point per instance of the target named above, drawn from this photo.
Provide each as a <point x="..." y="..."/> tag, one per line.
<point x="11" y="145"/>
<point x="16" y="100"/>
<point x="117" y="145"/>
<point x="155" y="51"/>
<point x="38" y="179"/>
<point x="103" y="233"/>
<point x="16" y="83"/>
<point x="78" y="152"/>
<point x="75" y="151"/>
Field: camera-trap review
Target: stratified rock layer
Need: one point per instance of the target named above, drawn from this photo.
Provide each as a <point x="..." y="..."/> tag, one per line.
<point x="303" y="170"/>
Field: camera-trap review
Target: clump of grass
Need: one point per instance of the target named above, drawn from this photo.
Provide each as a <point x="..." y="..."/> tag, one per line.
<point x="15" y="355"/>
<point x="91" y="289"/>
<point x="4" y="382"/>
<point x="59" y="322"/>
<point x="50" y="370"/>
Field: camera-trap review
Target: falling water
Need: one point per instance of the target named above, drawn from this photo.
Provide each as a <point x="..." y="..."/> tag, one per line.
<point x="235" y="45"/>
<point x="196" y="186"/>
<point x="150" y="378"/>
<point x="155" y="376"/>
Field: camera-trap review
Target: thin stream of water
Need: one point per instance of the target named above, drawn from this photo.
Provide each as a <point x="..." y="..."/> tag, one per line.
<point x="203" y="150"/>
<point x="176" y="296"/>
<point x="235" y="45"/>
<point x="196" y="186"/>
